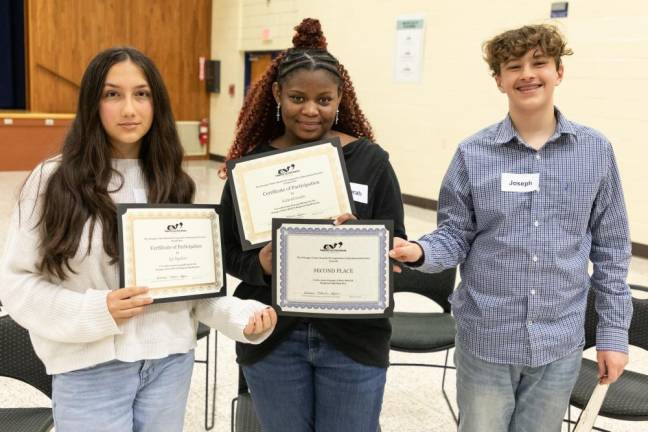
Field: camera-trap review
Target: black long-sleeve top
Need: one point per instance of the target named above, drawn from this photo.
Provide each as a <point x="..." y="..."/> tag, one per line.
<point x="364" y="340"/>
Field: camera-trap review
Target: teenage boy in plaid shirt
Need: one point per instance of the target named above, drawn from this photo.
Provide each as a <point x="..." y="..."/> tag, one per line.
<point x="523" y="207"/>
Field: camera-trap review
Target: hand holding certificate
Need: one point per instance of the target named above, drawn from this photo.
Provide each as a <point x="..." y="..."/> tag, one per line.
<point x="125" y="303"/>
<point x="174" y="250"/>
<point x="308" y="181"/>
<point x="334" y="271"/>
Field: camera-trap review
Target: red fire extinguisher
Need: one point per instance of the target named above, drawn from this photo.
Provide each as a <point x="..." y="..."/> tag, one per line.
<point x="203" y="131"/>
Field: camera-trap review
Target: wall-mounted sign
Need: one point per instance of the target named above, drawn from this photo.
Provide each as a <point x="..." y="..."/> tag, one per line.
<point x="559" y="9"/>
<point x="408" y="59"/>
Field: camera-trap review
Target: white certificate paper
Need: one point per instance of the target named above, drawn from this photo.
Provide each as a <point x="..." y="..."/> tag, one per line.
<point x="308" y="181"/>
<point x="332" y="271"/>
<point x="175" y="251"/>
<point x="590" y="412"/>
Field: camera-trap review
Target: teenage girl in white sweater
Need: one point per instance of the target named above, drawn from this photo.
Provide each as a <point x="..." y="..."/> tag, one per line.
<point x="118" y="363"/>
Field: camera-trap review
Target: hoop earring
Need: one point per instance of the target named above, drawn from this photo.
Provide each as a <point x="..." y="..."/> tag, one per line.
<point x="337" y="115"/>
<point x="278" y="111"/>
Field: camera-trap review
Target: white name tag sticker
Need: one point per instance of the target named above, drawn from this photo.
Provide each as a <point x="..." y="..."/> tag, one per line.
<point x="360" y="192"/>
<point x="520" y="182"/>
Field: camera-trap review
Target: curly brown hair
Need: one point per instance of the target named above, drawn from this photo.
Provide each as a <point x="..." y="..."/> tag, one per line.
<point x="257" y="122"/>
<point x="516" y="43"/>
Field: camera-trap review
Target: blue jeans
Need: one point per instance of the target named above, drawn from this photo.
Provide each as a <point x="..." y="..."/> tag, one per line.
<point x="306" y="385"/>
<point x="116" y="396"/>
<point x="509" y="398"/>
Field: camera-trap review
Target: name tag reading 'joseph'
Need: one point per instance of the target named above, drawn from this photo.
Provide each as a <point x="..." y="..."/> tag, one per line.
<point x="520" y="182"/>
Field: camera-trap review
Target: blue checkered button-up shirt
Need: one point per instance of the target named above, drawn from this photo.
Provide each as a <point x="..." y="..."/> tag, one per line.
<point x="524" y="255"/>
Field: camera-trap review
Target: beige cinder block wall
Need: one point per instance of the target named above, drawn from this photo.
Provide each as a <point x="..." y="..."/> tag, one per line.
<point x="420" y="124"/>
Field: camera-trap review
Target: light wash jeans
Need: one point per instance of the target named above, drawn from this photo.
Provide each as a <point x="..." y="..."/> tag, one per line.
<point x="508" y="398"/>
<point x="306" y="385"/>
<point x="116" y="396"/>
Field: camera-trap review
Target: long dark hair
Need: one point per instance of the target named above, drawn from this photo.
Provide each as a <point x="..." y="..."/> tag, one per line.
<point x="257" y="122"/>
<point x="77" y="190"/>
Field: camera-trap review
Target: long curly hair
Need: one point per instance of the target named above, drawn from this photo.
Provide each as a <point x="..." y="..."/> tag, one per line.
<point x="257" y="120"/>
<point x="77" y="190"/>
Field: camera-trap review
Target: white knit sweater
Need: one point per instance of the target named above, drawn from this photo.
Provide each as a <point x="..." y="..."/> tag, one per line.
<point x="69" y="322"/>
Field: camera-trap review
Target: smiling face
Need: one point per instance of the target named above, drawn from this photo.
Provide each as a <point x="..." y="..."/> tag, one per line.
<point x="529" y="81"/>
<point x="309" y="100"/>
<point x="126" y="108"/>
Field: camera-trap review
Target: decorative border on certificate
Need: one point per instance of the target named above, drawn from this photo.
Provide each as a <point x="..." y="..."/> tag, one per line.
<point x="173" y="249"/>
<point x="339" y="271"/>
<point x="291" y="180"/>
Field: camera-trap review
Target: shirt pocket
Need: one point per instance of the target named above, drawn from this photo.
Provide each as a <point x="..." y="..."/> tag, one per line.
<point x="569" y="204"/>
<point x="495" y="208"/>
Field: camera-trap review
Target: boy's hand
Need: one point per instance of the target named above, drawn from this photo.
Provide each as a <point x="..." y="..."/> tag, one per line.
<point x="405" y="251"/>
<point x="610" y="365"/>
<point x="123" y="306"/>
<point x="265" y="258"/>
<point x="260" y="322"/>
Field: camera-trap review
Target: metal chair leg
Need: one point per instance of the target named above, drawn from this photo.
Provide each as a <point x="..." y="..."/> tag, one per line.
<point x="445" y="395"/>
<point x="208" y="425"/>
<point x="233" y="414"/>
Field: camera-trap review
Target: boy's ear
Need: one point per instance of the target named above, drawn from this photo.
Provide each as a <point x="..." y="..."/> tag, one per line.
<point x="498" y="81"/>
<point x="561" y="72"/>
<point x="276" y="91"/>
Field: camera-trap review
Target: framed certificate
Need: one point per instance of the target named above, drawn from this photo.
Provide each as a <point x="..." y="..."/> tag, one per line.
<point x="324" y="270"/>
<point x="173" y="249"/>
<point x="308" y="181"/>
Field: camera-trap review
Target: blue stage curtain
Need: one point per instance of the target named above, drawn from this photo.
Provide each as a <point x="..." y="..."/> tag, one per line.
<point x="12" y="54"/>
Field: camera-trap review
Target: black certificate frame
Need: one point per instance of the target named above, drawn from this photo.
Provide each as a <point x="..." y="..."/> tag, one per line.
<point x="231" y="164"/>
<point x="122" y="208"/>
<point x="277" y="223"/>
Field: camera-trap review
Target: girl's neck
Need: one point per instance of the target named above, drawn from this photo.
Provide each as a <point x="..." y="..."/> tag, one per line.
<point x="125" y="151"/>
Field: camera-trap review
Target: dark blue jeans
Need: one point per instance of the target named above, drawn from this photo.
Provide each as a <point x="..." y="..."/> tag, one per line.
<point x="306" y="385"/>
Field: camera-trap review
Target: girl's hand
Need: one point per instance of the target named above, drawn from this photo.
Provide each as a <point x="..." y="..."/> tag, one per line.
<point x="265" y="258"/>
<point x="123" y="306"/>
<point x="344" y="218"/>
<point x="260" y="322"/>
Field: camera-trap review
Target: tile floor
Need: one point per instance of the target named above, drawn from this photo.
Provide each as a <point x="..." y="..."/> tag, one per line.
<point x="413" y="402"/>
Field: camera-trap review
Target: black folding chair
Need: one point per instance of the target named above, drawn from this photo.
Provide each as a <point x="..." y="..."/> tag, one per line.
<point x="19" y="361"/>
<point x="426" y="332"/>
<point x="627" y="398"/>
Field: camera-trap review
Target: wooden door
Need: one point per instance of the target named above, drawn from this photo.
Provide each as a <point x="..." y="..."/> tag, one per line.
<point x="64" y="35"/>
<point x="175" y="35"/>
<point x="259" y="63"/>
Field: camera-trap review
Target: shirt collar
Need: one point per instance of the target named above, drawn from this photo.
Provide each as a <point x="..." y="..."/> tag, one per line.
<point x="505" y="131"/>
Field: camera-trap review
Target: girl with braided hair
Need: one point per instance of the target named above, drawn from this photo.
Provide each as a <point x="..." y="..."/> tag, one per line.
<point x="312" y="374"/>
